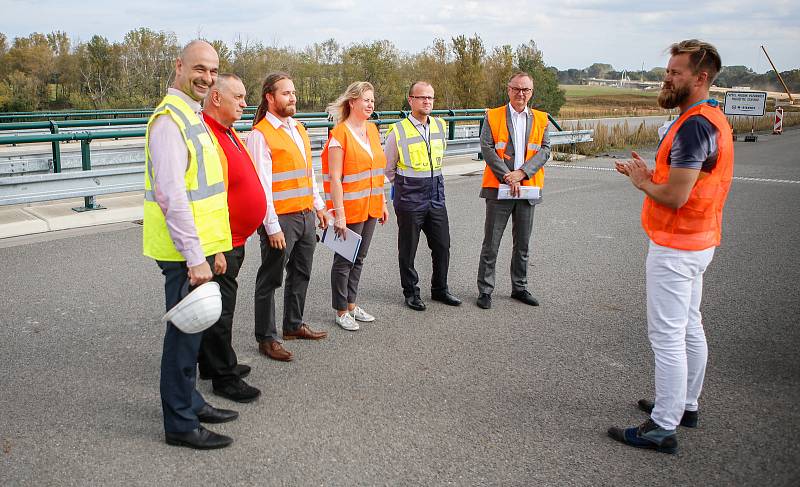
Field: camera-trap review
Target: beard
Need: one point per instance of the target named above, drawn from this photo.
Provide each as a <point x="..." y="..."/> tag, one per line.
<point x="671" y="97"/>
<point x="287" y="110"/>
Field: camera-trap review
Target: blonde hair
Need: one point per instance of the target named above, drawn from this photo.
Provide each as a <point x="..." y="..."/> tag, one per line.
<point x="340" y="109"/>
<point x="702" y="57"/>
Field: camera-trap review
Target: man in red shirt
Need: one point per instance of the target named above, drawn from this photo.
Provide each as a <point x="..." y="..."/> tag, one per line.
<point x="247" y="206"/>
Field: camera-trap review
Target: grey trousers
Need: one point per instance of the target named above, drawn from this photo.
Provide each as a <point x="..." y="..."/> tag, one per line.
<point x="345" y="274"/>
<point x="497" y="213"/>
<point x="297" y="258"/>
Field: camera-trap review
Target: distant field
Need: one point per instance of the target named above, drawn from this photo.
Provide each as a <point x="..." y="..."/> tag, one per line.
<point x="589" y="101"/>
<point x="580" y="91"/>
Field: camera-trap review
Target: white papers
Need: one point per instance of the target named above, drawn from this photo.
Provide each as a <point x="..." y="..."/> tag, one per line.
<point x="346" y="248"/>
<point x="525" y="193"/>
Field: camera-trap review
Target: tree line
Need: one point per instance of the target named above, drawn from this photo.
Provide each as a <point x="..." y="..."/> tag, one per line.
<point x="50" y="71"/>
<point x="729" y="77"/>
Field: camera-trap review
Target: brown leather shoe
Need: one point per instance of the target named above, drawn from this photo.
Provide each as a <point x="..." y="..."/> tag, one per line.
<point x="275" y="351"/>
<point x="304" y="333"/>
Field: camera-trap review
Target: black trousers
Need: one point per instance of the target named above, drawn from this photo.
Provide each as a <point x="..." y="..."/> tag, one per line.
<point x="300" y="233"/>
<point x="180" y="400"/>
<point x="435" y="224"/>
<point x="217" y="358"/>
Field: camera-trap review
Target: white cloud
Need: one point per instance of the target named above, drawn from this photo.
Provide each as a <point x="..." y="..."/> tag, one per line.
<point x="571" y="33"/>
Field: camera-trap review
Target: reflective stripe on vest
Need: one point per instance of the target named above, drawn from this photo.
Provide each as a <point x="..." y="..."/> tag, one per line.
<point x="697" y="225"/>
<point x="418" y="158"/>
<point x="362" y="175"/>
<point x="204" y="182"/>
<point x="292" y="186"/>
<point x="192" y="133"/>
<point x="497" y="120"/>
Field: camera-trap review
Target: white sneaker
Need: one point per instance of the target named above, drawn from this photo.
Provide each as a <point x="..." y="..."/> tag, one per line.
<point x="347" y="322"/>
<point x="362" y="315"/>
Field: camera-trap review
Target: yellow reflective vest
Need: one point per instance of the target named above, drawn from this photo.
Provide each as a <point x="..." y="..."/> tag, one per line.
<point x="205" y="188"/>
<point x="417" y="158"/>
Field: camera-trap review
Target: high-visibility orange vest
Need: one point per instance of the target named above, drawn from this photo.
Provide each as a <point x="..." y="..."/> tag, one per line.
<point x="499" y="126"/>
<point x="362" y="175"/>
<point x="697" y="225"/>
<point x="292" y="186"/>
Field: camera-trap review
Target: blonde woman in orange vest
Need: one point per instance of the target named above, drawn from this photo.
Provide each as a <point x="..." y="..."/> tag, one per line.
<point x="282" y="151"/>
<point x="352" y="165"/>
<point x="682" y="215"/>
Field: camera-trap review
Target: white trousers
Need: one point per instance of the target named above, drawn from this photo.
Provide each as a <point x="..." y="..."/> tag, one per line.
<point x="675" y="329"/>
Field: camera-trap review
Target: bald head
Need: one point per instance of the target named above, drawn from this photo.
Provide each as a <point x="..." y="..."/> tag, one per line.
<point x="196" y="69"/>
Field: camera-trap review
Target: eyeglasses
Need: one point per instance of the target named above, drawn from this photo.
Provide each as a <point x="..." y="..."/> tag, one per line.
<point x="524" y="91"/>
<point x="423" y="98"/>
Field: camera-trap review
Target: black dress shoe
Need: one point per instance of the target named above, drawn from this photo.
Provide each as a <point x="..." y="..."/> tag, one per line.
<point x="199" y="439"/>
<point x="241" y="371"/>
<point x="484" y="301"/>
<point x="525" y="297"/>
<point x="237" y="390"/>
<point x="210" y="414"/>
<point x="416" y="303"/>
<point x="446" y="298"/>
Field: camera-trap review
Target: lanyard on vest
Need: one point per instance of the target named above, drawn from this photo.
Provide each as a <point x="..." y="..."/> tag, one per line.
<point x="710" y="101"/>
<point x="427" y="141"/>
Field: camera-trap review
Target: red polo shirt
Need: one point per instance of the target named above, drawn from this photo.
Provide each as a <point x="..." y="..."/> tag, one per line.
<point x="247" y="204"/>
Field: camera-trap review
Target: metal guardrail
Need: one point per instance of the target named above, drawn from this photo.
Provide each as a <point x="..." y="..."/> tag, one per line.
<point x="91" y="182"/>
<point x="77" y="115"/>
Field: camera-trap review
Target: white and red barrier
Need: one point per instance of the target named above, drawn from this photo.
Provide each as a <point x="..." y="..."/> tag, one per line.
<point x="778" y="128"/>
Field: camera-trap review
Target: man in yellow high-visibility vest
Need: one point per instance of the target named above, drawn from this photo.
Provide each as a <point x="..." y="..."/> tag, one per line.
<point x="414" y="151"/>
<point x="186" y="230"/>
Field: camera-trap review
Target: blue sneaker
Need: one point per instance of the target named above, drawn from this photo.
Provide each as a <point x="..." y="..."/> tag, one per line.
<point x="649" y="435"/>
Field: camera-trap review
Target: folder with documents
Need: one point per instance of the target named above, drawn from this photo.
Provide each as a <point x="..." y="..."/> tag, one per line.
<point x="347" y="248"/>
<point x="525" y="193"/>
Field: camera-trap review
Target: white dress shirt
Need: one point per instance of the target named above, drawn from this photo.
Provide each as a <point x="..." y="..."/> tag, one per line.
<point x="262" y="156"/>
<point x="519" y="121"/>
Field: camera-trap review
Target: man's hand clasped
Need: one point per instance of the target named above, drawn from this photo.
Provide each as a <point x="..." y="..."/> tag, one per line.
<point x="514" y="179"/>
<point x="636" y="169"/>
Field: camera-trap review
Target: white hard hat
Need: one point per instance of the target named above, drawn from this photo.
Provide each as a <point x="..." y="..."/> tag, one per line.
<point x="197" y="311"/>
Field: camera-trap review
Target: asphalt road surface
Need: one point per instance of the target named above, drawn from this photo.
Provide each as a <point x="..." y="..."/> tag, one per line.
<point x="510" y="396"/>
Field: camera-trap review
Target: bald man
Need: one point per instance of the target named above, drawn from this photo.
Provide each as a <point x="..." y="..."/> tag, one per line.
<point x="186" y="231"/>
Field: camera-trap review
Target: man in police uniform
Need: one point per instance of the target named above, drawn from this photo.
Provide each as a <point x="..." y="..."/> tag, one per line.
<point x="515" y="146"/>
<point x="682" y="216"/>
<point x="183" y="179"/>
<point x="414" y="150"/>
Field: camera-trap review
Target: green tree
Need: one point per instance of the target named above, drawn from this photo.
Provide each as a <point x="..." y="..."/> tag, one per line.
<point x="598" y="70"/>
<point x="499" y="68"/>
<point x="547" y="96"/>
<point x="100" y="71"/>
<point x="468" y="56"/>
<point x="318" y="75"/>
<point x="435" y="65"/>
<point x="249" y="63"/>
<point x="147" y="66"/>
<point x="225" y="56"/>
<point x="377" y="63"/>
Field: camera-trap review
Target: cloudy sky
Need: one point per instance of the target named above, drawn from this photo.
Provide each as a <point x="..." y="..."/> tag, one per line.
<point x="571" y="33"/>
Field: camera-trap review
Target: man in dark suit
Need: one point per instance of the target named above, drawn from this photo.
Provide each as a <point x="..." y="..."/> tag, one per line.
<point x="515" y="146"/>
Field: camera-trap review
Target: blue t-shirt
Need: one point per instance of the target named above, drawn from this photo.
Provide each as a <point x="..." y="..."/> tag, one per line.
<point x="695" y="145"/>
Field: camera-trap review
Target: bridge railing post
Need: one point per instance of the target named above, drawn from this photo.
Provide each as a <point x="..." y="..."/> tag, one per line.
<point x="56" y="148"/>
<point x="89" y="202"/>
